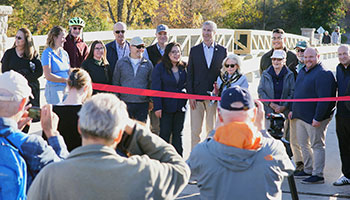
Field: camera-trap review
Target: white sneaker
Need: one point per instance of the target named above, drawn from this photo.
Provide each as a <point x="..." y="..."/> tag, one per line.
<point x="342" y="181"/>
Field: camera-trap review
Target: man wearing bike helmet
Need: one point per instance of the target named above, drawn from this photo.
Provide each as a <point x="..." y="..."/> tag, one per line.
<point x="74" y="45"/>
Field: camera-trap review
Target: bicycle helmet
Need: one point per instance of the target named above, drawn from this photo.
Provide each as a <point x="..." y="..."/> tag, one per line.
<point x="76" y="21"/>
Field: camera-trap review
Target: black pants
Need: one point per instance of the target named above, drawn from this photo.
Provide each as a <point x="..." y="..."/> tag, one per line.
<point x="343" y="133"/>
<point x="172" y="124"/>
<point x="138" y="111"/>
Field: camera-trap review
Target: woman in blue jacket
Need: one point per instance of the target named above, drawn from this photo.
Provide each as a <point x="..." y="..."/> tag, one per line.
<point x="170" y="75"/>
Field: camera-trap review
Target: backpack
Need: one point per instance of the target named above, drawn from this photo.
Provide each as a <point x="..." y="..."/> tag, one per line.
<point x="13" y="168"/>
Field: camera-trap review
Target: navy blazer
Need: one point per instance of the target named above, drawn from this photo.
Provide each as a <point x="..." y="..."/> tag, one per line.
<point x="112" y="55"/>
<point x="200" y="79"/>
<point x="162" y="80"/>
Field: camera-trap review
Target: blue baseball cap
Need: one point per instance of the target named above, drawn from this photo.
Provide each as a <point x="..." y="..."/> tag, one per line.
<point x="162" y="27"/>
<point x="234" y="95"/>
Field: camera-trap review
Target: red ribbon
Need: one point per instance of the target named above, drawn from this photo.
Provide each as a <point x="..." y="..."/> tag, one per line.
<point x="156" y="93"/>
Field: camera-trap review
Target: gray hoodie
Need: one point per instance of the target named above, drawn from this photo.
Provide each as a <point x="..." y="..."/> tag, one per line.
<point x="226" y="172"/>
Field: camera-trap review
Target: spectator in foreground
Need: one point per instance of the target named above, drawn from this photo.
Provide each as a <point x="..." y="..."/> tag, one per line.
<point x="79" y="90"/>
<point x="14" y="94"/>
<point x="155" y="171"/>
<point x="241" y="160"/>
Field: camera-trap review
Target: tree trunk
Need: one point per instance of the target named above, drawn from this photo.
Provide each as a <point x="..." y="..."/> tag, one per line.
<point x="120" y="10"/>
<point x="128" y="17"/>
<point x="111" y="12"/>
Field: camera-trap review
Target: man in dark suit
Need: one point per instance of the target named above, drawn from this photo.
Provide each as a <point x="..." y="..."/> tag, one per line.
<point x="154" y="53"/>
<point x="118" y="48"/>
<point x="204" y="66"/>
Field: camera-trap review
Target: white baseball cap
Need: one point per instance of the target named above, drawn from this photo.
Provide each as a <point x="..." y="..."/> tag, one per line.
<point x="14" y="87"/>
<point x="135" y="41"/>
<point x="279" y="54"/>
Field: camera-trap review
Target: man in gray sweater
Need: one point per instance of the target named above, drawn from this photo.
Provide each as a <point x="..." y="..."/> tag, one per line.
<point x="95" y="171"/>
<point x="241" y="160"/>
<point x="134" y="71"/>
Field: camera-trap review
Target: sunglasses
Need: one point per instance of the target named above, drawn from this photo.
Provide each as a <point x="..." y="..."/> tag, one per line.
<point x="139" y="46"/>
<point x="230" y="65"/>
<point x="300" y="50"/>
<point x="175" y="52"/>
<point x="18" y="37"/>
<point x="75" y="28"/>
<point x="117" y="32"/>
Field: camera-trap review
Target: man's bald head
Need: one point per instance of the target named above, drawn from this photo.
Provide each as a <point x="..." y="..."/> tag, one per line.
<point x="344" y="55"/>
<point x="311" y="57"/>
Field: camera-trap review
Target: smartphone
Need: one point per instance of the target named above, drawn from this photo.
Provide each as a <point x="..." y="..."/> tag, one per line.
<point x="34" y="113"/>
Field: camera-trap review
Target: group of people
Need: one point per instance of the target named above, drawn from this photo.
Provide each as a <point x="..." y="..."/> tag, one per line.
<point x="302" y="76"/>
<point x="335" y="38"/>
<point x="95" y="126"/>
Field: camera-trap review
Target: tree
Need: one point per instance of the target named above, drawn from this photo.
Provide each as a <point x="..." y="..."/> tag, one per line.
<point x="325" y="13"/>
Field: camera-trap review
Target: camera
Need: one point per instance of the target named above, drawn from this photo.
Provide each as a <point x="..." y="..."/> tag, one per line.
<point x="34" y="113"/>
<point x="276" y="124"/>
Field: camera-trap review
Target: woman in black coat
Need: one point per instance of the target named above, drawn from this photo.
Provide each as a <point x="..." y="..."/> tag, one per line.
<point x="24" y="59"/>
<point x="96" y="64"/>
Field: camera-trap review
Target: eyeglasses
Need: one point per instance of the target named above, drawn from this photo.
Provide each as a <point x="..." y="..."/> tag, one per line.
<point x="300" y="50"/>
<point x="75" y="28"/>
<point x="277" y="38"/>
<point x="117" y="32"/>
<point x="175" y="52"/>
<point x="141" y="46"/>
<point x="18" y="37"/>
<point x="230" y="65"/>
<point x="99" y="48"/>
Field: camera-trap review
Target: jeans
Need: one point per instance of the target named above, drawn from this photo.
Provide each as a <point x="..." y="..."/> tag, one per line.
<point x="138" y="111"/>
<point x="54" y="93"/>
<point x="171" y="124"/>
<point x="343" y="133"/>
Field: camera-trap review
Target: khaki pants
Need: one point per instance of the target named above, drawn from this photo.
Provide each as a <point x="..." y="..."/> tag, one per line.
<point x="294" y="144"/>
<point x="197" y="116"/>
<point x="313" y="145"/>
<point x="154" y="122"/>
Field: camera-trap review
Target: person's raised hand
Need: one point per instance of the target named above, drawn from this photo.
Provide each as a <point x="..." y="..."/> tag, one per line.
<point x="49" y="121"/>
